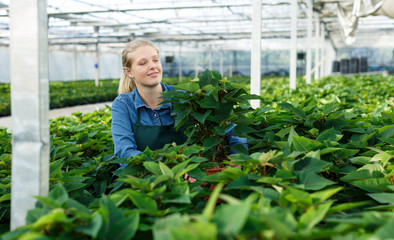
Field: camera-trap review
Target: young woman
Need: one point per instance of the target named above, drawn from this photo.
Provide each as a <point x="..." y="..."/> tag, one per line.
<point x="138" y="119"/>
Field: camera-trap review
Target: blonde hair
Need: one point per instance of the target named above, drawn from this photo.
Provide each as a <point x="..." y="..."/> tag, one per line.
<point x="126" y="83"/>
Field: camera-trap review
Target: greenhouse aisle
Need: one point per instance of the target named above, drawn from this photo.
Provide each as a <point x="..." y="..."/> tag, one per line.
<point x="54" y="113"/>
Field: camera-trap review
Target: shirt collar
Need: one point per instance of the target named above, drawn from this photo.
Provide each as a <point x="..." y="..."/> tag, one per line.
<point x="138" y="102"/>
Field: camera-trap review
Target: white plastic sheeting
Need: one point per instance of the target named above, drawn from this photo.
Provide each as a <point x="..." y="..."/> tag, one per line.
<point x="71" y="66"/>
<point x="4" y="65"/>
<point x="350" y="12"/>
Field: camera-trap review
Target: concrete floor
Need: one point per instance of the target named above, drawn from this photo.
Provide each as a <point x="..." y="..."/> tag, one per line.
<point x="54" y="113"/>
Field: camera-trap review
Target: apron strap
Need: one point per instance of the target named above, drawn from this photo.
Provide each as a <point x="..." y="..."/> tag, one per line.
<point x="138" y="116"/>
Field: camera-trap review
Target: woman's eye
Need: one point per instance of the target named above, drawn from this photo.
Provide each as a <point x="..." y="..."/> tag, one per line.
<point x="155" y="60"/>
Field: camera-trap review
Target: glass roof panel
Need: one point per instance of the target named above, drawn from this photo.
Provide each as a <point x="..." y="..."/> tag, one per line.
<point x="208" y="22"/>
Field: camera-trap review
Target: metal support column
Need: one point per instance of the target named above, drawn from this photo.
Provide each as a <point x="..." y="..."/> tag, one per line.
<point x="30" y="106"/>
<point x="210" y="59"/>
<point x="317" y="46"/>
<point x="75" y="64"/>
<point x="180" y="62"/>
<point x="230" y="65"/>
<point x="293" y="45"/>
<point x="309" y="42"/>
<point x="221" y="63"/>
<point x="196" y="65"/>
<point x="97" y="65"/>
<point x="255" y="72"/>
<point x="322" y="50"/>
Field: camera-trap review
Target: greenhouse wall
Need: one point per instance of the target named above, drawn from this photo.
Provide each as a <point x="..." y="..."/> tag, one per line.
<point x="4" y="65"/>
<point x="76" y="65"/>
<point x="71" y="66"/>
<point x="378" y="59"/>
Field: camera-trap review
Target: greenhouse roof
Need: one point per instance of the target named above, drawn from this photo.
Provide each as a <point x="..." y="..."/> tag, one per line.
<point x="205" y="23"/>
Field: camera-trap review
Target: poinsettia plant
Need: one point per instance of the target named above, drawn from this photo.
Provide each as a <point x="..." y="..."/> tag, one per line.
<point x="209" y="109"/>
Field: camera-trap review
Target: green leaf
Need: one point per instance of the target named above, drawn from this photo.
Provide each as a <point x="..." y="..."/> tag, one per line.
<point x="75" y="186"/>
<point x="230" y="219"/>
<point x="200" y="117"/>
<point x="110" y="215"/>
<point x="59" y="194"/>
<point x="329" y="135"/>
<point x="314" y="215"/>
<point x="345" y="206"/>
<point x="360" y="160"/>
<point x="208" y="102"/>
<point x="223" y="111"/>
<point x="386" y="231"/>
<point x="304" y="144"/>
<point x="193" y="231"/>
<point x="125" y="228"/>
<point x="312" y="181"/>
<point x="190" y="87"/>
<point x="162" y="227"/>
<point x="240" y="148"/>
<point x="388" y="131"/>
<point x="81" y="208"/>
<point x="375" y="167"/>
<point x="49" y="202"/>
<point x="372" y="184"/>
<point x="219" y="130"/>
<point x="329" y="150"/>
<point x="361" y="174"/>
<point x="367" y="137"/>
<point x="210" y="207"/>
<point x="153" y="167"/>
<point x="244" y="129"/>
<point x="323" y="195"/>
<point x="5" y="197"/>
<point x="239" y="183"/>
<point x="310" y="165"/>
<point x="292" y="133"/>
<point x="57" y="215"/>
<point x="93" y="228"/>
<point x="211" y="142"/>
<point x="179" y="168"/>
<point x="143" y="201"/>
<point x="383" y="157"/>
<point x="383" y="197"/>
<point x="179" y="118"/>
<point x="205" y="79"/>
<point x="298" y="112"/>
<point x="55" y="168"/>
<point x="329" y="108"/>
<point x="166" y="170"/>
<point x="388" y="140"/>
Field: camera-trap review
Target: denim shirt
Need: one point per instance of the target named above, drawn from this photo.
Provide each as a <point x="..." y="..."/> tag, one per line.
<point x="124" y="114"/>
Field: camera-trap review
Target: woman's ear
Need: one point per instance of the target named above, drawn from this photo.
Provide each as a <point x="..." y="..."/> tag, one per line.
<point x="128" y="72"/>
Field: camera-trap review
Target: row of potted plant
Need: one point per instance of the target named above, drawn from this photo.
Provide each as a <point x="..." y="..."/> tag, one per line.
<point x="64" y="94"/>
<point x="316" y="168"/>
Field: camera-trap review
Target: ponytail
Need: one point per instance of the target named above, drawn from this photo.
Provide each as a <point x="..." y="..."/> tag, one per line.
<point x="126" y="84"/>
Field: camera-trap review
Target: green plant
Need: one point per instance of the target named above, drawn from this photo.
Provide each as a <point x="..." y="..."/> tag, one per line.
<point x="207" y="108"/>
<point x="318" y="168"/>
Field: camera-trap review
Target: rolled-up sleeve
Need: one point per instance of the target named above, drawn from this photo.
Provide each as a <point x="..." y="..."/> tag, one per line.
<point x="234" y="140"/>
<point x="122" y="132"/>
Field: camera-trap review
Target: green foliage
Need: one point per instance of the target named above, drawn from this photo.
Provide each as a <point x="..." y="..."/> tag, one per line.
<point x="206" y="108"/>
<point x="71" y="93"/>
<point x="319" y="167"/>
<point x="64" y="94"/>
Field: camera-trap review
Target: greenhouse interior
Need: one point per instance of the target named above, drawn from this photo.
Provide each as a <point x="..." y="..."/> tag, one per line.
<point x="248" y="119"/>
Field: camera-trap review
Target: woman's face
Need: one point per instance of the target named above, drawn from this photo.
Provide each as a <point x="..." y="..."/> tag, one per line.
<point x="146" y="69"/>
